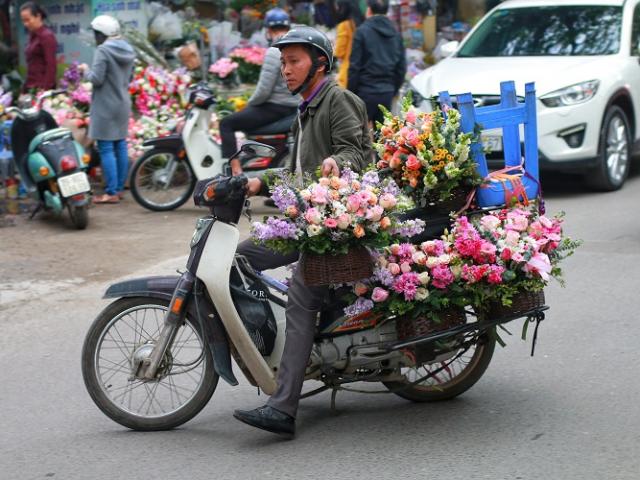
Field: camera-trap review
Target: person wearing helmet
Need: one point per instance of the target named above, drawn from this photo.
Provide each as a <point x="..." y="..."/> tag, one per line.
<point x="270" y="101"/>
<point x="330" y="133"/>
<point x="110" y="103"/>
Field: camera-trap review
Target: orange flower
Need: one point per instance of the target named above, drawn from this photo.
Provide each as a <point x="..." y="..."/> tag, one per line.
<point x="385" y="223"/>
<point x="358" y="231"/>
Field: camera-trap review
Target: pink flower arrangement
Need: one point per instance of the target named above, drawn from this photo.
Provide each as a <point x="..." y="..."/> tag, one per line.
<point x="223" y="67"/>
<point x="330" y="215"/>
<point x="253" y="54"/>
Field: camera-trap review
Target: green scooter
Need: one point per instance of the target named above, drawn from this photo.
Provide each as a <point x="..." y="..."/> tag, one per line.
<point x="51" y="164"/>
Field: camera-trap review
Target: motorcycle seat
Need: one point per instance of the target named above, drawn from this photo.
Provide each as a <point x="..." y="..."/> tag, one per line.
<point x="280" y="126"/>
<point x="48" y="136"/>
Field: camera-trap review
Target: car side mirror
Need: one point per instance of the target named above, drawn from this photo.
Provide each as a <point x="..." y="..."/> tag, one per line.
<point x="449" y="48"/>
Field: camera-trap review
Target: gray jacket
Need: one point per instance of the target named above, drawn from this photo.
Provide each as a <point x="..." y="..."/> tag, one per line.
<point x="110" y="101"/>
<point x="271" y="87"/>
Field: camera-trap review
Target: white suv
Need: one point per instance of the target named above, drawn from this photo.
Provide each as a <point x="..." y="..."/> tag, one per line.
<point x="584" y="58"/>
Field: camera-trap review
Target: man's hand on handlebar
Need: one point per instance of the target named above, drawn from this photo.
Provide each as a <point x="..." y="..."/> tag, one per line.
<point x="236" y="169"/>
<point x="254" y="185"/>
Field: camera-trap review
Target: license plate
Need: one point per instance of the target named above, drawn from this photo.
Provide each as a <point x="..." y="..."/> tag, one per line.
<point x="492" y="143"/>
<point x="73" y="184"/>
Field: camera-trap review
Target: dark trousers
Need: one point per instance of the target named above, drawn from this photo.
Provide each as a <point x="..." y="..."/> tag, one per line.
<point x="372" y="100"/>
<point x="303" y="305"/>
<point x="248" y="119"/>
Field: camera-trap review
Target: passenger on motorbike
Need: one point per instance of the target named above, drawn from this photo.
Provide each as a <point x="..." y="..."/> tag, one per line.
<point x="270" y="101"/>
<point x="331" y="132"/>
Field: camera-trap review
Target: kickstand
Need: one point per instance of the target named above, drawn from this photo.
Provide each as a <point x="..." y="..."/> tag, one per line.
<point x="334" y="392"/>
<point x="35" y="210"/>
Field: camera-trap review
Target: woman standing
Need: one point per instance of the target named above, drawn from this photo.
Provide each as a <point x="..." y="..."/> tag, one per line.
<point x="110" y="103"/>
<point x="349" y="16"/>
<point x="41" y="48"/>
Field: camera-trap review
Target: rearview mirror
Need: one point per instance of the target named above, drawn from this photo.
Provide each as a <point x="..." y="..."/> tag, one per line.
<point x="258" y="149"/>
<point x="449" y="48"/>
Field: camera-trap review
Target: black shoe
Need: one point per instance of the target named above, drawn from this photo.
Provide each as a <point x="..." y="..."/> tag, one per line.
<point x="269" y="419"/>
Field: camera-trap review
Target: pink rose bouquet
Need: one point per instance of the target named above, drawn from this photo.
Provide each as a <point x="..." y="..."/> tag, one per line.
<point x="330" y="215"/>
<point x="509" y="250"/>
<point x="250" y="60"/>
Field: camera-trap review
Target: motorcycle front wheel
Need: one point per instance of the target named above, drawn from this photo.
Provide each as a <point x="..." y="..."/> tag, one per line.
<point x="160" y="181"/>
<point x="448" y="378"/>
<point x="119" y="339"/>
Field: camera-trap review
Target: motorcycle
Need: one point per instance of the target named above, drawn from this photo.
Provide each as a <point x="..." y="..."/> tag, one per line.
<point x="152" y="359"/>
<point x="51" y="164"/>
<point x="164" y="177"/>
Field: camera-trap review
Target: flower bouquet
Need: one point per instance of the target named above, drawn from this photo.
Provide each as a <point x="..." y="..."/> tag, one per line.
<point x="331" y="221"/>
<point x="224" y="70"/>
<point x="249" y="60"/>
<point x="509" y="256"/>
<point x="428" y="156"/>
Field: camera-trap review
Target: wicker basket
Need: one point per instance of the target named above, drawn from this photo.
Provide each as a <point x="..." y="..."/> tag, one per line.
<point x="523" y="301"/>
<point x="454" y="203"/>
<point x="320" y="270"/>
<point x="408" y="327"/>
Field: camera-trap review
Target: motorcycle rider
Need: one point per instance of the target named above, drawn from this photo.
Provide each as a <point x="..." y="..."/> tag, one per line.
<point x="271" y="101"/>
<point x="330" y="132"/>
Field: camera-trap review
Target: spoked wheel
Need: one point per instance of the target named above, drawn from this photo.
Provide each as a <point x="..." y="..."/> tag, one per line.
<point x="79" y="216"/>
<point x="161" y="181"/>
<point x="120" y="339"/>
<point x="447" y="378"/>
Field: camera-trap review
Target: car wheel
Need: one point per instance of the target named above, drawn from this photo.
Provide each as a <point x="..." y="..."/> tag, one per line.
<point x="614" y="152"/>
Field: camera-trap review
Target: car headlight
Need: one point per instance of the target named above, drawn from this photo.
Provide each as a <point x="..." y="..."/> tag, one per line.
<point x="572" y="95"/>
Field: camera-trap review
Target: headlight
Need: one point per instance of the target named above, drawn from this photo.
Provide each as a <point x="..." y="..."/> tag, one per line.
<point x="201" y="227"/>
<point x="573" y="95"/>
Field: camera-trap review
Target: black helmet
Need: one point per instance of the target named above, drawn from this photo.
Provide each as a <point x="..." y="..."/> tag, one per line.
<point x="304" y="35"/>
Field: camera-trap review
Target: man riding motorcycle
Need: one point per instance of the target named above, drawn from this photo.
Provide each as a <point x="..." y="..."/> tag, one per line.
<point x="331" y="132"/>
<point x="270" y="102"/>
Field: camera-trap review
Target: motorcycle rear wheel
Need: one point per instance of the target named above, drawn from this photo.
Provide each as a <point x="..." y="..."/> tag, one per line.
<point x="120" y="334"/>
<point x="79" y="215"/>
<point x="455" y="379"/>
<point x="160" y="181"/>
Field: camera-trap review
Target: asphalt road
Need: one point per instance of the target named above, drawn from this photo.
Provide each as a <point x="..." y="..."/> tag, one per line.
<point x="570" y="412"/>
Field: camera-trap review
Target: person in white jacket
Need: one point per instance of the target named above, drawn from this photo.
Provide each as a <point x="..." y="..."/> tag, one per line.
<point x="271" y="100"/>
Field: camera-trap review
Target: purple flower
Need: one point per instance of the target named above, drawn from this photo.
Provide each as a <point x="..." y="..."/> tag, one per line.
<point x="274" y="229"/>
<point x="283" y="197"/>
<point x="392" y="188"/>
<point x="409" y="228"/>
<point x="360" y="306"/>
<point x="370" y="179"/>
<point x="348" y="175"/>
<point x="384" y="276"/>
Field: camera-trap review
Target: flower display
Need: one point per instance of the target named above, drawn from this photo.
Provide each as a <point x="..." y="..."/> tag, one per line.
<point x="483" y="259"/>
<point x="331" y="215"/>
<point x="426" y="153"/>
<point x="509" y="250"/>
<point x="223" y="68"/>
<point x="417" y="280"/>
<point x="249" y="60"/>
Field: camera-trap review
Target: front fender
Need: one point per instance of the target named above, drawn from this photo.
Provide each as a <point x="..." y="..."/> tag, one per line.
<point x="162" y="287"/>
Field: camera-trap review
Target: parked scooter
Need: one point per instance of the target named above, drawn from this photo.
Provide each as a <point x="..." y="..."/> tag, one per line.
<point x="51" y="164"/>
<point x="151" y="359"/>
<point x="165" y="176"/>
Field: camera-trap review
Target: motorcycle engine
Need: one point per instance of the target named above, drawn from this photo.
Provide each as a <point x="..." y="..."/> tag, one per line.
<point x="350" y="352"/>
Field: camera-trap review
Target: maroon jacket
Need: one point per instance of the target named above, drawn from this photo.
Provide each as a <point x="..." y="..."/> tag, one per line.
<point x="41" y="59"/>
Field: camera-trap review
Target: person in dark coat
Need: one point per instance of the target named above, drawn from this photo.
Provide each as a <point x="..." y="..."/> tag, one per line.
<point x="377" y="65"/>
<point x="41" y="48"/>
